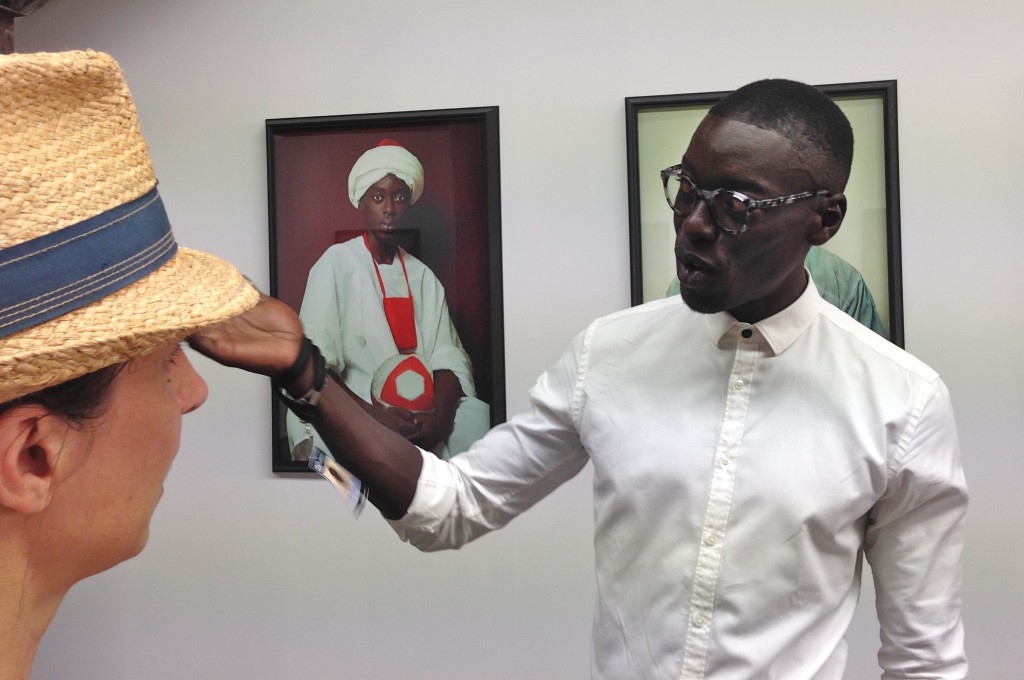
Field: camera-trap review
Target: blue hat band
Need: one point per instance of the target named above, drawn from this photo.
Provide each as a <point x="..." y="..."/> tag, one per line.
<point x="68" y="269"/>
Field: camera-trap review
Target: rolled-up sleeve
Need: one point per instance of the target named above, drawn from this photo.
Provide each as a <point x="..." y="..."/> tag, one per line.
<point x="914" y="544"/>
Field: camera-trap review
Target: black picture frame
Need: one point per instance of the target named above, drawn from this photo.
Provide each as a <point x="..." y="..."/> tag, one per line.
<point x="456" y="225"/>
<point x="871" y="107"/>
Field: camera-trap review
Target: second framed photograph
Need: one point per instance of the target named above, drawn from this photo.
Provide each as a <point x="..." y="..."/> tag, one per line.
<point x="658" y="131"/>
<point x="385" y="234"/>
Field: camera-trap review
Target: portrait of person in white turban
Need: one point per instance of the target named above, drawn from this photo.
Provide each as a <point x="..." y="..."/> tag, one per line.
<point x="381" y="318"/>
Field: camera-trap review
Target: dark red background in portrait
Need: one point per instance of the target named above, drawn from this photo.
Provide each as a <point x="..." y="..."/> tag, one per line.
<point x="313" y="212"/>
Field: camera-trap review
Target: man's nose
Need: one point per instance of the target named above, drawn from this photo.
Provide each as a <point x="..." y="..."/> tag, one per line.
<point x="698" y="224"/>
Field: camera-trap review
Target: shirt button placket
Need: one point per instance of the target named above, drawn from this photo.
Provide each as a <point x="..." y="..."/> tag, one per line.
<point x="716" y="516"/>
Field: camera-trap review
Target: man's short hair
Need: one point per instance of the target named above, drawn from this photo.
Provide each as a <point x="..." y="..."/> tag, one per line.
<point x="803" y="114"/>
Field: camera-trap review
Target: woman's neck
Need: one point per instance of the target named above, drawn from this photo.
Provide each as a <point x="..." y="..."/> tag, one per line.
<point x="21" y="628"/>
<point x="25" y="613"/>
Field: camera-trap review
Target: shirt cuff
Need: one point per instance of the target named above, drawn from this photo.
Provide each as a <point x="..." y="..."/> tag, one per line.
<point x="433" y="499"/>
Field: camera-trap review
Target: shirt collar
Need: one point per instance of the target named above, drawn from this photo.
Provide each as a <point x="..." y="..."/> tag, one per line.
<point x="779" y="331"/>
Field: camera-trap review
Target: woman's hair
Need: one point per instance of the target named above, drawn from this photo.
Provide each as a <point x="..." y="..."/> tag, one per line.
<point x="77" y="400"/>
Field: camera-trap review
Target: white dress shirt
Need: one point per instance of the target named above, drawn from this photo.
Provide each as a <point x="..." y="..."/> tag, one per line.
<point x="740" y="472"/>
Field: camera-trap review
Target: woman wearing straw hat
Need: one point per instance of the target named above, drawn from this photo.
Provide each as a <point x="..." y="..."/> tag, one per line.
<point x="95" y="297"/>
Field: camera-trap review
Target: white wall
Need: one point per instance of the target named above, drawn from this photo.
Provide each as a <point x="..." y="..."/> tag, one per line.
<point x="252" y="576"/>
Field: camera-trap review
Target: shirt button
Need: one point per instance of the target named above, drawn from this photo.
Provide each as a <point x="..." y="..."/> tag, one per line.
<point x="724" y="462"/>
<point x="710" y="540"/>
<point x="746" y="332"/>
<point x="738" y="384"/>
<point x="699" y="621"/>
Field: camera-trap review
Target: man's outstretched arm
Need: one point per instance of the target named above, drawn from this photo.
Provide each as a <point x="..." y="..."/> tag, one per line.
<point x="267" y="340"/>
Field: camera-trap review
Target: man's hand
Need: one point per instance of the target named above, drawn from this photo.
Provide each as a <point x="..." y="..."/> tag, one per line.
<point x="425" y="429"/>
<point x="396" y="419"/>
<point x="432" y="429"/>
<point x="266" y="339"/>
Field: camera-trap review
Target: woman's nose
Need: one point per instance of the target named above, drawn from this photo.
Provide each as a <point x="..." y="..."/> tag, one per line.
<point x="192" y="391"/>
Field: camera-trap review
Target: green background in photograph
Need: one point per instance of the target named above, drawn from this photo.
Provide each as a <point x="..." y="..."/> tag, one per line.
<point x="664" y="134"/>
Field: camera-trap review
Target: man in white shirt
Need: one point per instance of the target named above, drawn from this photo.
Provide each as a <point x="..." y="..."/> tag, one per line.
<point x="750" y="441"/>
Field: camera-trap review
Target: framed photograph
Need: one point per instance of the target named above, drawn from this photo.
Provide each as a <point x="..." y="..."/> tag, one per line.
<point x="658" y="131"/>
<point x="447" y="227"/>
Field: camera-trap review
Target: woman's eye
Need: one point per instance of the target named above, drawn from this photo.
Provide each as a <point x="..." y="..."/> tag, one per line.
<point x="177" y="352"/>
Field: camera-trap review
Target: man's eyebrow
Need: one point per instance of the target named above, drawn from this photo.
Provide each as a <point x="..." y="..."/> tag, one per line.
<point x="743" y="185"/>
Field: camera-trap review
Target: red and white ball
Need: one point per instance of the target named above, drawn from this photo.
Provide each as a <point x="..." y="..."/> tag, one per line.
<point x="405" y="381"/>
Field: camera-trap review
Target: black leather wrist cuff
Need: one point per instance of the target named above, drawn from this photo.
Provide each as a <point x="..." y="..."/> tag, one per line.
<point x="305" y="405"/>
<point x="298" y="366"/>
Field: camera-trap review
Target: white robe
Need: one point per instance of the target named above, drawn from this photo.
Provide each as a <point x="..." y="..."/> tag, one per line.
<point x="342" y="312"/>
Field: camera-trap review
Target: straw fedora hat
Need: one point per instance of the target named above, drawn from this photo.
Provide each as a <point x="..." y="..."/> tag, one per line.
<point x="90" y="274"/>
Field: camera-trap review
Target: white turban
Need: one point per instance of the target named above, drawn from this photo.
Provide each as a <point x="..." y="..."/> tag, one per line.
<point x="387" y="158"/>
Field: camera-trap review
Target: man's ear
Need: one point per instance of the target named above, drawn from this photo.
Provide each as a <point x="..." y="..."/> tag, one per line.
<point x="831" y="219"/>
<point x="31" y="439"/>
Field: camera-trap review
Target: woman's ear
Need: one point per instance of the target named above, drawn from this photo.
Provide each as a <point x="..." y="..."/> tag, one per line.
<point x="831" y="219"/>
<point x="31" y="439"/>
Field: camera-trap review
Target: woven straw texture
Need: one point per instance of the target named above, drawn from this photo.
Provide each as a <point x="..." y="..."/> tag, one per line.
<point x="71" y="148"/>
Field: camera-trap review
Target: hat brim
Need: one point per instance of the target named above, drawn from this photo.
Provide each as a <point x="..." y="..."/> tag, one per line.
<point x="192" y="290"/>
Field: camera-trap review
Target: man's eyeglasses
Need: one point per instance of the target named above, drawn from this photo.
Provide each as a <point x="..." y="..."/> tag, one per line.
<point x="729" y="210"/>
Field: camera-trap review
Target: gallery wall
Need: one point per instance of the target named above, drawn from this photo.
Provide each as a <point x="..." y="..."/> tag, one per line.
<point x="254" y="575"/>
